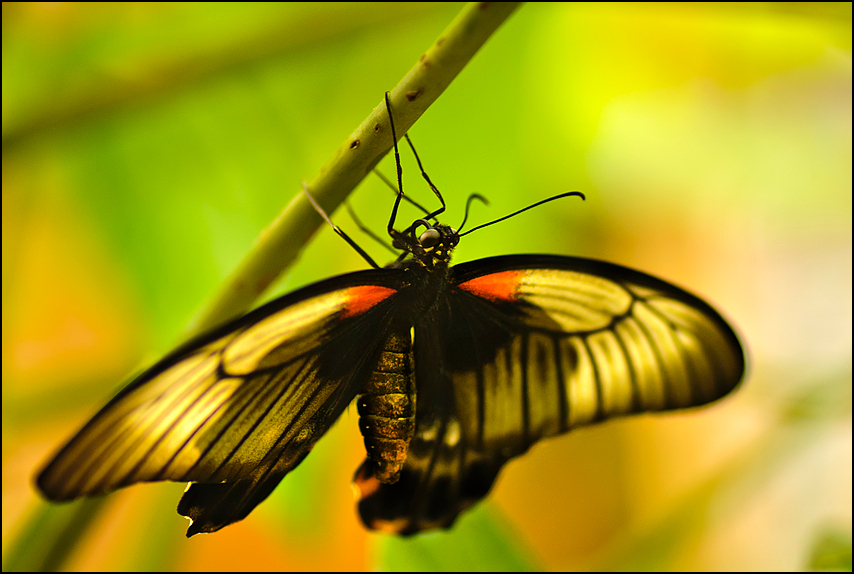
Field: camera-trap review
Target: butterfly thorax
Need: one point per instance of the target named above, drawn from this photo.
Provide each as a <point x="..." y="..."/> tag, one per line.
<point x="426" y="260"/>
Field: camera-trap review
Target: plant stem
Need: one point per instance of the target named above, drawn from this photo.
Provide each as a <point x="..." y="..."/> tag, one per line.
<point x="282" y="241"/>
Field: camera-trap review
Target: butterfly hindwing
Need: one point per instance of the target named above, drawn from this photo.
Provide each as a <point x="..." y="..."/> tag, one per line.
<point x="239" y="408"/>
<point x="526" y="347"/>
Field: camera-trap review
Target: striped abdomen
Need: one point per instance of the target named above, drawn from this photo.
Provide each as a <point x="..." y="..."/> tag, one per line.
<point x="387" y="408"/>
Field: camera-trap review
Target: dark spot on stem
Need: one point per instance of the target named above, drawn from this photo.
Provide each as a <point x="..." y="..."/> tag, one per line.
<point x="412" y="95"/>
<point x="355" y="144"/>
<point x="377" y="129"/>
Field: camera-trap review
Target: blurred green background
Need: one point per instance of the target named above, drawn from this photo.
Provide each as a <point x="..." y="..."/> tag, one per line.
<point x="145" y="146"/>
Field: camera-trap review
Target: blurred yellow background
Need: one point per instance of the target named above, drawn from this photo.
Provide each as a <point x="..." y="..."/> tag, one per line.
<point x="146" y="145"/>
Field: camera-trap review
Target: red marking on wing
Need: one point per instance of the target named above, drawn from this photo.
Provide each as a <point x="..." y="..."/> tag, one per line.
<point x="495" y="286"/>
<point x="360" y="299"/>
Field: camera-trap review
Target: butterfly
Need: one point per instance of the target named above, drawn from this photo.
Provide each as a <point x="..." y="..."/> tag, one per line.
<point x="455" y="370"/>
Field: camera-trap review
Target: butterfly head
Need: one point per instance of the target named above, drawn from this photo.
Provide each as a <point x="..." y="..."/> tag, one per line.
<point x="430" y="244"/>
<point x="434" y="244"/>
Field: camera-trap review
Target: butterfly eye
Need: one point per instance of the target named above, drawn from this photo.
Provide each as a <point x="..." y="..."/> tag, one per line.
<point x="429" y="238"/>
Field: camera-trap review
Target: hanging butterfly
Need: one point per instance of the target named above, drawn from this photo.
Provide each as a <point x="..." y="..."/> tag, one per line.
<point x="455" y="371"/>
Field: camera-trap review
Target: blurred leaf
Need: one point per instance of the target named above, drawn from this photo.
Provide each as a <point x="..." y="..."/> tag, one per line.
<point x="831" y="551"/>
<point x="479" y="542"/>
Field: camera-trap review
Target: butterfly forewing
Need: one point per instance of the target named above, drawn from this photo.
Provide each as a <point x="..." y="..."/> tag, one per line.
<point x="587" y="341"/>
<point x="242" y="405"/>
<point x="533" y="346"/>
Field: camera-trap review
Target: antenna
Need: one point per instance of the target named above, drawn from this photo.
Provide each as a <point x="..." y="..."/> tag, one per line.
<point x="560" y="195"/>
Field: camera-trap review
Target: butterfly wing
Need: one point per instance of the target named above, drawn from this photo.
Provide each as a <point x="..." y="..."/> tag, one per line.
<point x="238" y="409"/>
<point x="526" y="347"/>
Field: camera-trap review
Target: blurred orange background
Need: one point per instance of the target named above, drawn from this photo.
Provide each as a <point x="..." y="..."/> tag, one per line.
<point x="145" y="146"/>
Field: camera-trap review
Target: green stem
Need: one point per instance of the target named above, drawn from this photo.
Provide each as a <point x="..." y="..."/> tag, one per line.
<point x="281" y="242"/>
